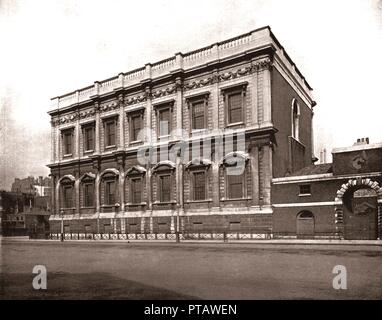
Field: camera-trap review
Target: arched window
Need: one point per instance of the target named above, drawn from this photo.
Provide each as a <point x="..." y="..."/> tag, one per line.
<point x="87" y="190"/>
<point x="295" y="119"/>
<point x="234" y="166"/>
<point x="67" y="192"/>
<point x="109" y="187"/>
<point x="306" y="215"/>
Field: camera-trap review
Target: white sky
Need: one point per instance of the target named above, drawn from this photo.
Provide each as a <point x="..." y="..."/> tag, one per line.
<point x="51" y="47"/>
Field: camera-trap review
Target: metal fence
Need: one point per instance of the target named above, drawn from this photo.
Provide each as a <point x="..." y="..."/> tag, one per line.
<point x="224" y="236"/>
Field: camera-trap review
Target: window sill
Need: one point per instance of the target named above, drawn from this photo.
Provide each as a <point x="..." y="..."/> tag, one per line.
<point x="87" y="207"/>
<point x="164" y="203"/>
<point x="234" y="199"/>
<point x="69" y="155"/>
<point x="110" y="147"/>
<point x="88" y="151"/>
<point x="235" y="124"/>
<point x="130" y="204"/>
<point x="305" y="195"/>
<point x="135" y="142"/>
<point x="199" y="201"/>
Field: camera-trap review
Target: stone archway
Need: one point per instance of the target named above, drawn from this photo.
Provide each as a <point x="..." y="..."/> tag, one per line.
<point x="341" y="209"/>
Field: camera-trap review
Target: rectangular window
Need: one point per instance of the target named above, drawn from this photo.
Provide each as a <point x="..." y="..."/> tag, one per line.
<point x="198" y="115"/>
<point x="67" y="143"/>
<point x="88" y="229"/>
<point x="197" y="226"/>
<point x="88" y="194"/>
<point x="305" y="189"/>
<point x="107" y="228"/>
<point x="199" y="186"/>
<point x="89" y="138"/>
<point x="164" y="122"/>
<point x="66" y="229"/>
<point x="234" y="226"/>
<point x="68" y="196"/>
<point x="110" y="192"/>
<point x="110" y="133"/>
<point x="162" y="227"/>
<point x="136" y="190"/>
<point x="165" y="188"/>
<point x="235" y="108"/>
<point x="235" y="186"/>
<point x="136" y="126"/>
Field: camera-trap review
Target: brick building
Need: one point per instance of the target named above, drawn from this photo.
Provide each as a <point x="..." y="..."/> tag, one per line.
<point x="154" y="150"/>
<point x="342" y="199"/>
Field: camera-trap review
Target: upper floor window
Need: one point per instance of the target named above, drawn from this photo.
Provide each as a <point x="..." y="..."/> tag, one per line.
<point x="164" y="122"/>
<point x="135" y="125"/>
<point x="110" y="131"/>
<point x="164" y="116"/>
<point x="305" y="189"/>
<point x="198" y="111"/>
<point x="88" y="138"/>
<point x="234" y="99"/>
<point x="67" y="142"/>
<point x="295" y="119"/>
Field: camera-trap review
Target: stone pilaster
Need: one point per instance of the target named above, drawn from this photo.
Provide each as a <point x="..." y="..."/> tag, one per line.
<point x="57" y="198"/>
<point x="267" y="103"/>
<point x="254" y="156"/>
<point x="77" y="193"/>
<point x="267" y="174"/>
<point x="122" y="186"/>
<point x="77" y="138"/>
<point x="380" y="221"/>
<point x="215" y="100"/>
<point x="122" y="119"/>
<point x="97" y="128"/>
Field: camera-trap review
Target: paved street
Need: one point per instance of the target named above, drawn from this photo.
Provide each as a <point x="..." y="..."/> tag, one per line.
<point x="124" y="270"/>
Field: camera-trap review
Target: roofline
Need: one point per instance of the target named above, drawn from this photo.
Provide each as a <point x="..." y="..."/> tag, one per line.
<point x="322" y="177"/>
<point x="358" y="147"/>
<point x="202" y="48"/>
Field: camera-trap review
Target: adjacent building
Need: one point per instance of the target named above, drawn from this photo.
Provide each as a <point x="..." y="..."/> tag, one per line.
<point x="342" y="199"/>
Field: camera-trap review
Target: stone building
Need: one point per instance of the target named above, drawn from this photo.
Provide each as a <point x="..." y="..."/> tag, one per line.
<point x="341" y="200"/>
<point x="154" y="150"/>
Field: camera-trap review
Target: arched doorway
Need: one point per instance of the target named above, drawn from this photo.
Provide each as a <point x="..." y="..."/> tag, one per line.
<point x="305" y="225"/>
<point x="358" y="212"/>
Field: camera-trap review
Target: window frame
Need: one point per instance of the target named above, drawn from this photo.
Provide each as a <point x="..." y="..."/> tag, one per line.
<point x="65" y="203"/>
<point x="233" y="90"/>
<point x="160" y="189"/>
<point x="107" y="183"/>
<point x="301" y="191"/>
<point x="133" y="179"/>
<point x="106" y="122"/>
<point x="85" y="132"/>
<point x="168" y="105"/>
<point x="191" y="102"/>
<point x="86" y="202"/>
<point x="65" y="133"/>
<point x="193" y="181"/>
<point x="130" y="116"/>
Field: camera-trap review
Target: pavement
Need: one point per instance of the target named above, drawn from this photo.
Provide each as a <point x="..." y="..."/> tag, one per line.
<point x="158" y="270"/>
